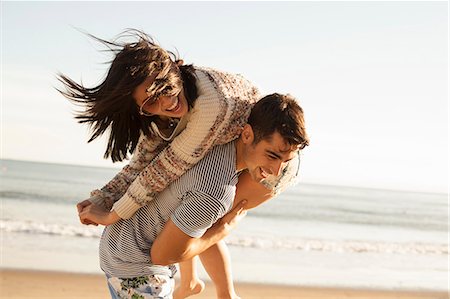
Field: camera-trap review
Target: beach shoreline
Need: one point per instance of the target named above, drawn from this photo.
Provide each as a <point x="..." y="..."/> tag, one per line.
<point x="303" y="245"/>
<point x="16" y="283"/>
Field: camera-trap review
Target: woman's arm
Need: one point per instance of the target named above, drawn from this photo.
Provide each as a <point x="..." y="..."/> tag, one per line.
<point x="212" y="116"/>
<point x="146" y="150"/>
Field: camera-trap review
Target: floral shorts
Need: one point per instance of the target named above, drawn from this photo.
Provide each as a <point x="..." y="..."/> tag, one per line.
<point x="143" y="287"/>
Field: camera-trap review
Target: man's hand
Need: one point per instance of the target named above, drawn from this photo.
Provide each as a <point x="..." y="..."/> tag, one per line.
<point x="227" y="223"/>
<point x="90" y="213"/>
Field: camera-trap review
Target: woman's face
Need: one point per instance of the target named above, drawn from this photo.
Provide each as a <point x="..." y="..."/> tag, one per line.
<point x="166" y="106"/>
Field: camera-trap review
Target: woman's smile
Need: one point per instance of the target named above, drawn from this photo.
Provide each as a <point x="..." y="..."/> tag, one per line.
<point x="174" y="106"/>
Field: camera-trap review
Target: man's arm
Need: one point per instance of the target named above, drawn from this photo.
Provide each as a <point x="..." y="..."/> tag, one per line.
<point x="172" y="245"/>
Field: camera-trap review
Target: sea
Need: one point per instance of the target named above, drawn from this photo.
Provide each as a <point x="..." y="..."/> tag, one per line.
<point x="311" y="235"/>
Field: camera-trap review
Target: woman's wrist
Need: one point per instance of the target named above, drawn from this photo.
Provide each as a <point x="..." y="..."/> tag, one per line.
<point x="113" y="217"/>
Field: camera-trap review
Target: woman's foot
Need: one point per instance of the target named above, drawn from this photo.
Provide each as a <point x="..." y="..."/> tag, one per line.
<point x="184" y="291"/>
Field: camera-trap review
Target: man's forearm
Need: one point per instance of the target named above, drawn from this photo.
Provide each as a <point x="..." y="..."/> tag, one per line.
<point x="191" y="248"/>
<point x="173" y="245"/>
<point x="212" y="236"/>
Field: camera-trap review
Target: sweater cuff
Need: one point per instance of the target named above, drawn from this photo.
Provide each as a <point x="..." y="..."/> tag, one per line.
<point x="126" y="207"/>
<point x="98" y="200"/>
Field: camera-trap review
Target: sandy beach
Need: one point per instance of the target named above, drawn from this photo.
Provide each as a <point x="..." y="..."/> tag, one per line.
<point x="45" y="284"/>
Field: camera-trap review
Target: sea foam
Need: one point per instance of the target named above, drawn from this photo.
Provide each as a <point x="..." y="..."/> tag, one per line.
<point x="350" y="246"/>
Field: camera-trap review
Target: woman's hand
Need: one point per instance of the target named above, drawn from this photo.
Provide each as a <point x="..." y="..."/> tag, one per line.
<point x="90" y="213"/>
<point x="80" y="207"/>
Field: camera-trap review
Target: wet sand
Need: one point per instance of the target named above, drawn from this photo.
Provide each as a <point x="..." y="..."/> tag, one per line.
<point x="17" y="284"/>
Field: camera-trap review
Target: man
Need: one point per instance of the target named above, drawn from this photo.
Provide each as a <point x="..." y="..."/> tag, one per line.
<point x="138" y="254"/>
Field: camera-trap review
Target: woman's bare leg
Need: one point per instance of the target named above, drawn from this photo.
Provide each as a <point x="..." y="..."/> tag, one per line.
<point x="190" y="284"/>
<point x="217" y="263"/>
<point x="216" y="259"/>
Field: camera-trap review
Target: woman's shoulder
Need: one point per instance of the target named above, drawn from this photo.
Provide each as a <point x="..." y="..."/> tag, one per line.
<point x="228" y="85"/>
<point x="221" y="76"/>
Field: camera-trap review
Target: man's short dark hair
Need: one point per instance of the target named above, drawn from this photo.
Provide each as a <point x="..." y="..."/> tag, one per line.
<point x="281" y="113"/>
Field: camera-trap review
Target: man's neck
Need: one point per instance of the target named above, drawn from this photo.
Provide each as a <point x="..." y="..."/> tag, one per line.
<point x="240" y="164"/>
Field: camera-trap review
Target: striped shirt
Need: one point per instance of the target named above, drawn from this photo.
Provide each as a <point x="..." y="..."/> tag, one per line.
<point x="194" y="202"/>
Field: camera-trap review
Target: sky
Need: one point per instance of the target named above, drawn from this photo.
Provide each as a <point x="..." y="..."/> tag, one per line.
<point x="372" y="77"/>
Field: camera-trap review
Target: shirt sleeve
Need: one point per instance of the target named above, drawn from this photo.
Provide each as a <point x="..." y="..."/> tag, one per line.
<point x="197" y="212"/>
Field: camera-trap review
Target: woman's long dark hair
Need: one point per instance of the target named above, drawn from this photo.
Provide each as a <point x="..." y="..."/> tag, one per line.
<point x="110" y="106"/>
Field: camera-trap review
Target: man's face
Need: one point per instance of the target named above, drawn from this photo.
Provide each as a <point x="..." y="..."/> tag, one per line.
<point x="267" y="157"/>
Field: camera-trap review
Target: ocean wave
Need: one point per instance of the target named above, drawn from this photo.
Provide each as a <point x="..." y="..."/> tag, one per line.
<point x="30" y="227"/>
<point x="264" y="243"/>
<point x="419" y="221"/>
<point x="42" y="197"/>
<point x="340" y="246"/>
<point x="23" y="195"/>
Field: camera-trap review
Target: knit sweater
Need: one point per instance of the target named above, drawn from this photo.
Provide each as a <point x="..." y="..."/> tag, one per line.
<point x="217" y="117"/>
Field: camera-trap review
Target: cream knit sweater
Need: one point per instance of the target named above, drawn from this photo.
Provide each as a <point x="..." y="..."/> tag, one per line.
<point x="218" y="117"/>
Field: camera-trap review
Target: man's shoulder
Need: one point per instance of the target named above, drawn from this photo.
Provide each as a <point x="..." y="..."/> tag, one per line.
<point x="220" y="158"/>
<point x="214" y="174"/>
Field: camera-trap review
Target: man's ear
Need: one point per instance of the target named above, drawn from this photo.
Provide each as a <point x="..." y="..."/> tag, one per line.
<point x="247" y="134"/>
<point x="179" y="62"/>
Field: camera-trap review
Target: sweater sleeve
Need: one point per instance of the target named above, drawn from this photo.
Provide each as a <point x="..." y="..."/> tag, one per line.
<point x="146" y="149"/>
<point x="210" y="119"/>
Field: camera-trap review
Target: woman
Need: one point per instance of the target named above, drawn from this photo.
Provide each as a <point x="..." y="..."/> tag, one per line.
<point x="169" y="115"/>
